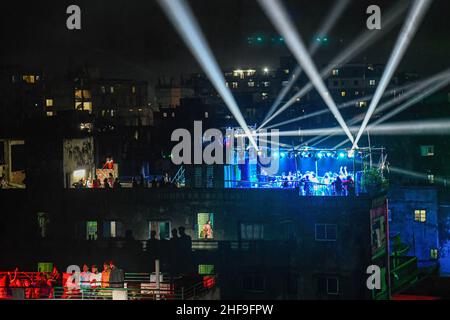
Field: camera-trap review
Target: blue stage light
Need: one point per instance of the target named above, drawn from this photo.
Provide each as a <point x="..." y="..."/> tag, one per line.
<point x="329" y="154"/>
<point x="283" y="154"/>
<point x="319" y="155"/>
<point x="341" y="154"/>
<point x="275" y="154"/>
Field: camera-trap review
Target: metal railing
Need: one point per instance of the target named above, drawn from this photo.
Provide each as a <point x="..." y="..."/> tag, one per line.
<point x="137" y="286"/>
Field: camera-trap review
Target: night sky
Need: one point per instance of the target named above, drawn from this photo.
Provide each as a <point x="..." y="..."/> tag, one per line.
<point x="134" y="39"/>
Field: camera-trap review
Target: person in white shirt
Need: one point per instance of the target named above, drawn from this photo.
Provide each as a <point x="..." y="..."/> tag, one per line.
<point x="95" y="278"/>
<point x="85" y="278"/>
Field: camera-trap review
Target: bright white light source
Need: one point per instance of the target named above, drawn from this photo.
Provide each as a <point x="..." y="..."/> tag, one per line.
<point x="79" y="174"/>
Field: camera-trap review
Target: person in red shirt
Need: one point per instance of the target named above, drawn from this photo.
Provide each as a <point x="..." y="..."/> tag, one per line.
<point x="109" y="164"/>
<point x="96" y="183"/>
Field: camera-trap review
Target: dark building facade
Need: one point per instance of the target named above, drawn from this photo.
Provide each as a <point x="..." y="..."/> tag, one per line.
<point x="262" y="243"/>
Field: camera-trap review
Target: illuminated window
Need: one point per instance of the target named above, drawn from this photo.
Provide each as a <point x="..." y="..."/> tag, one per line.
<point x="91" y="230"/>
<point x="234" y="85"/>
<point x="266" y="83"/>
<point x="362" y="104"/>
<point x="133" y="89"/>
<point x="343" y="93"/>
<point x="434" y="254"/>
<point x="111" y="89"/>
<point x="264" y="95"/>
<point x="205" y="269"/>
<point x="420" y="215"/>
<point x="87" y="106"/>
<point x="205" y="226"/>
<point x="372" y="82"/>
<point x="251" y="84"/>
<point x="50" y="113"/>
<point x="335" y="72"/>
<point x="325" y="232"/>
<point x="252" y="231"/>
<point x="160" y="229"/>
<point x="286" y="71"/>
<point x="49" y="102"/>
<point x="226" y="84"/>
<point x="238" y="73"/>
<point x="112" y="229"/>
<point x="86" y="126"/>
<point x="427" y="151"/>
<point x="103" y="89"/>
<point x="206" y="115"/>
<point x="28" y="78"/>
<point x="165" y="114"/>
<point x="79" y="174"/>
<point x="82" y="94"/>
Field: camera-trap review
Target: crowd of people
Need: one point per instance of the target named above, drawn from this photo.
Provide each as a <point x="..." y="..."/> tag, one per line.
<point x="330" y="184"/>
<point x="42" y="285"/>
<point x="114" y="183"/>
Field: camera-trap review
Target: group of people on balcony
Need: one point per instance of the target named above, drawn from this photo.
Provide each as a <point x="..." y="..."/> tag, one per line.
<point x="35" y="285"/>
<point x="108" y="183"/>
<point x="42" y="285"/>
<point x="91" y="282"/>
<point x="114" y="183"/>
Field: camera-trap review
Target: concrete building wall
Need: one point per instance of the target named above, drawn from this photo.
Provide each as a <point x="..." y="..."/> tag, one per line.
<point x="289" y="260"/>
<point x="420" y="236"/>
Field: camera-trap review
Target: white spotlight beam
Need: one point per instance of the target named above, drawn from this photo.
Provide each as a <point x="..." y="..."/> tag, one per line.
<point x="417" y="175"/>
<point x="359" y="44"/>
<point x="327" y="25"/>
<point x="416" y="86"/>
<point x="340" y="106"/>
<point x="406" y="34"/>
<point x="430" y="86"/>
<point x="441" y="81"/>
<point x="424" y="127"/>
<point x="181" y="16"/>
<point x="277" y="14"/>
